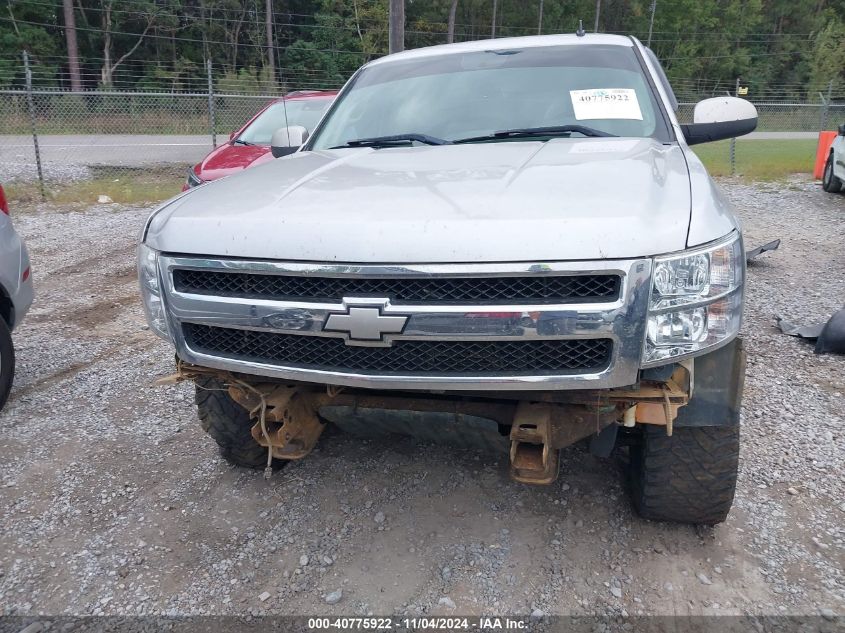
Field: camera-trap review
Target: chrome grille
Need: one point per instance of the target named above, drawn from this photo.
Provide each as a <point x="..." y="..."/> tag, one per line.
<point x="535" y="289"/>
<point x="560" y="325"/>
<point x="556" y="356"/>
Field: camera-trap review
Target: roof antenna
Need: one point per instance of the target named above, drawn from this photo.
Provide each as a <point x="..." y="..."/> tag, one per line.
<point x="580" y="32"/>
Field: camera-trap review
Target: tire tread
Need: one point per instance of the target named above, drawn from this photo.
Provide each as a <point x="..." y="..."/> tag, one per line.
<point x="7" y="362"/>
<point x="689" y="477"/>
<point x="228" y="424"/>
<point x="835" y="185"/>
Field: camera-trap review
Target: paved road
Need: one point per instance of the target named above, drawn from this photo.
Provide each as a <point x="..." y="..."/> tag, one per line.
<point x="783" y="136"/>
<point x="122" y="150"/>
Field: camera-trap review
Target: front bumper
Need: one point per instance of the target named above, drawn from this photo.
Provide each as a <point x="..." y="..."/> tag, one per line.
<point x="621" y="320"/>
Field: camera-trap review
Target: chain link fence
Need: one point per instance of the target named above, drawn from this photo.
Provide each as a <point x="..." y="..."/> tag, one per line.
<point x="64" y="137"/>
<point x="52" y="139"/>
<point x="786" y="117"/>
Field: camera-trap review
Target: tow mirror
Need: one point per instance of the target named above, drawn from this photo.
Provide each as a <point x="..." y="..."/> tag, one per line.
<point x="720" y="118"/>
<point x="286" y="140"/>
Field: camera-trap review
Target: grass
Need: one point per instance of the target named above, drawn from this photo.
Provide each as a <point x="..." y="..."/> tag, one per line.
<point x="759" y="159"/>
<point x="128" y="186"/>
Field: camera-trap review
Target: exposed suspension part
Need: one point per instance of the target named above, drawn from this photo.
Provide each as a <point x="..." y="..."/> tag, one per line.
<point x="287" y="421"/>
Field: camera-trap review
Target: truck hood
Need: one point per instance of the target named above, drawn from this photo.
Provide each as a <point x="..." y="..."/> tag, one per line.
<point x="564" y="199"/>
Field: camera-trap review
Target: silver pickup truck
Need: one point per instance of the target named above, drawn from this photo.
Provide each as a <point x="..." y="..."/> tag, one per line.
<point x="513" y="231"/>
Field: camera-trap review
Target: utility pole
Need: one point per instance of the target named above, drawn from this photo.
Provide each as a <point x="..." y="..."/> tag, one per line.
<point x="396" y="32"/>
<point x="493" y="27"/>
<point x="212" y="119"/>
<point x="651" y="21"/>
<point x="453" y="10"/>
<point x="72" y="48"/>
<point x="271" y="55"/>
<point x="540" y="20"/>
<point x="598" y="13"/>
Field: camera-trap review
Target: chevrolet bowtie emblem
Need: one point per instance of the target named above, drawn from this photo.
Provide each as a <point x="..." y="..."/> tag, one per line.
<point x="365" y="323"/>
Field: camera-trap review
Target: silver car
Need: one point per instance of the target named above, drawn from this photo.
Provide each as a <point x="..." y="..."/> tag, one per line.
<point x="15" y="294"/>
<point x="833" y="177"/>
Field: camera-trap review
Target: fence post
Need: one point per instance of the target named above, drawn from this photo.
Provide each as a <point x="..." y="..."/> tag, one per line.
<point x="733" y="140"/>
<point x="826" y="106"/>
<point x="212" y="120"/>
<point x="31" y="106"/>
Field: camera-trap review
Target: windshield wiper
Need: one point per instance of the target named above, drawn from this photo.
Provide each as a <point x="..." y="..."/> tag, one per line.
<point x="396" y="139"/>
<point x="238" y="141"/>
<point x="529" y="132"/>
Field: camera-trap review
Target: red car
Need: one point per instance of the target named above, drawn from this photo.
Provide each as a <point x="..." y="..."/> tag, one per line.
<point x="252" y="141"/>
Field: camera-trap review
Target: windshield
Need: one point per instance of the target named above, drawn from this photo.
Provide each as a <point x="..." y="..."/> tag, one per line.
<point x="304" y="112"/>
<point x="466" y="95"/>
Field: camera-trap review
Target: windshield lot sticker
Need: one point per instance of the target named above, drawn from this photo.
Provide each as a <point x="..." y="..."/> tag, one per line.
<point x="606" y="103"/>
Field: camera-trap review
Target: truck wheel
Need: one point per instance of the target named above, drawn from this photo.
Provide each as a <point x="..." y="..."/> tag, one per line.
<point x="830" y="183"/>
<point x="689" y="477"/>
<point x="7" y="362"/>
<point x="229" y="424"/>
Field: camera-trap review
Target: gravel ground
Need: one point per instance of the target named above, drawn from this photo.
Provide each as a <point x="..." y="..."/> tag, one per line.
<point x="54" y="172"/>
<point x="112" y="500"/>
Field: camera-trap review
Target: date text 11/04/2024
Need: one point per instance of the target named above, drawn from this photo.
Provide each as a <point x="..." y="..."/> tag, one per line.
<point x="480" y="623"/>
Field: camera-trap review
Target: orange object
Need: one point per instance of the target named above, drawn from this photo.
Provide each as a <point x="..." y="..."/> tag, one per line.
<point x="825" y="141"/>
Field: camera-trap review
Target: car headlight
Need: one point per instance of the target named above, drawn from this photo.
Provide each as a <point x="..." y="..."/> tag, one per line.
<point x="193" y="179"/>
<point x="696" y="300"/>
<point x="151" y="291"/>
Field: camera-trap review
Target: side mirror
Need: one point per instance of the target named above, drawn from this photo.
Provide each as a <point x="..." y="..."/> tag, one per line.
<point x="286" y="140"/>
<point x="842" y="130"/>
<point x="232" y="135"/>
<point x="720" y="118"/>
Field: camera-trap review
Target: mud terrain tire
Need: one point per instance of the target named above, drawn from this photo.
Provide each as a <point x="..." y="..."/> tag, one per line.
<point x="689" y="477"/>
<point x="229" y="424"/>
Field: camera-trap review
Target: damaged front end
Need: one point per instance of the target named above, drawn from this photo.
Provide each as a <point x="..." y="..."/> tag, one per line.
<point x="536" y="425"/>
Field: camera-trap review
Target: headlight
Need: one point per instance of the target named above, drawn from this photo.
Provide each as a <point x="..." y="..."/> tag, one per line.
<point x="696" y="300"/>
<point x="151" y="291"/>
<point x="193" y="179"/>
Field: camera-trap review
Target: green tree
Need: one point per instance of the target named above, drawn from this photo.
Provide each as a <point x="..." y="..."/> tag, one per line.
<point x="28" y="26"/>
<point x="827" y="65"/>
